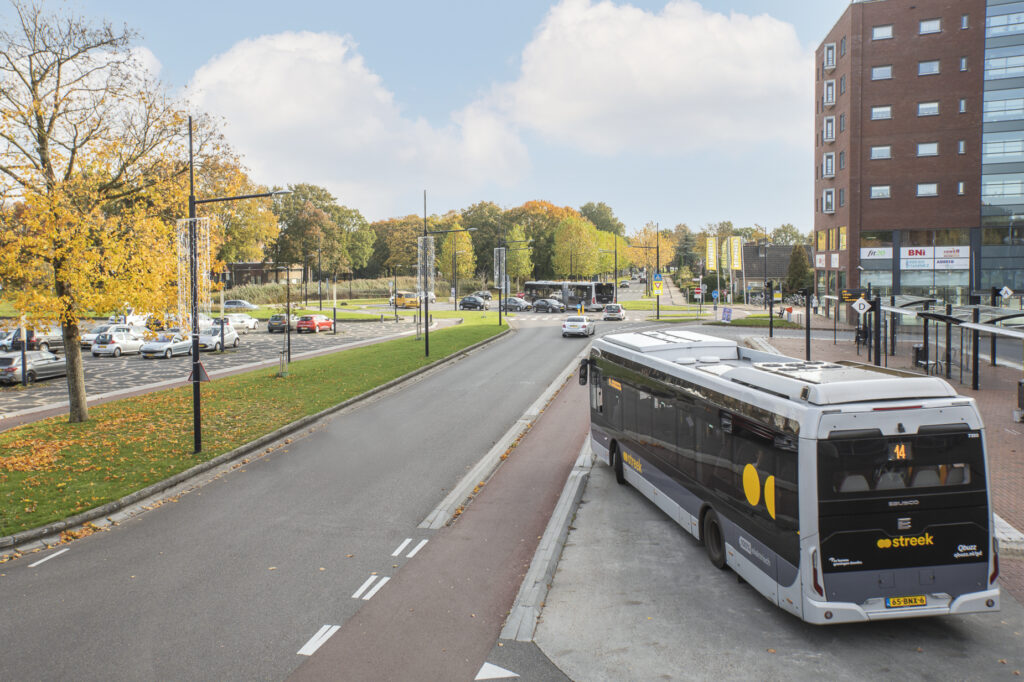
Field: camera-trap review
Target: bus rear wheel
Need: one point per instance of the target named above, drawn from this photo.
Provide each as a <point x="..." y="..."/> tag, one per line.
<point x="620" y="474"/>
<point x="714" y="543"/>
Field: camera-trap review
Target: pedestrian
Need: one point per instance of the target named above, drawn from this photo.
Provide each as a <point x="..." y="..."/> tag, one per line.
<point x="814" y="303"/>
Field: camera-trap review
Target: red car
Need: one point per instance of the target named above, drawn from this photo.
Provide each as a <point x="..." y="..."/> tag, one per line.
<point x="314" y="323"/>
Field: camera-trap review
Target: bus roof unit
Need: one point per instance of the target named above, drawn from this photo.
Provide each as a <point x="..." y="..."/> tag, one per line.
<point x="816" y="383"/>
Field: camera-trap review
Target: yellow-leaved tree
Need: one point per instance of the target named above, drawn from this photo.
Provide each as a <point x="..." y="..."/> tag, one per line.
<point x="91" y="156"/>
<point x="575" y="253"/>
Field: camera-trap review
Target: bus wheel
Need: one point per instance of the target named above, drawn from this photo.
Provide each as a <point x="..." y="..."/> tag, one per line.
<point x="620" y="476"/>
<point x="713" y="541"/>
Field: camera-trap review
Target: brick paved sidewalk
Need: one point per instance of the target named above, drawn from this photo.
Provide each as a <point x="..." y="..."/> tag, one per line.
<point x="1004" y="437"/>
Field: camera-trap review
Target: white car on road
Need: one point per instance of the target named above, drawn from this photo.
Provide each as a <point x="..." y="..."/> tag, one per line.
<point x="117" y="343"/>
<point x="167" y="344"/>
<point x="210" y="338"/>
<point x="578" y="325"/>
<point x="243" y="322"/>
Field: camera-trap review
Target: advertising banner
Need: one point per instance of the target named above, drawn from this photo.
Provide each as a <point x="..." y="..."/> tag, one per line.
<point x="876" y="252"/>
<point x="736" y="251"/>
<point x="711" y="253"/>
<point x="819" y="260"/>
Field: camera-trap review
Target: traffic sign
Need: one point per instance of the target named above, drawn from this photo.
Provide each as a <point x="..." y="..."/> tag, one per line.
<point x="657" y="277"/>
<point x="714" y="294"/>
<point x="1006" y="292"/>
<point x="656" y="287"/>
<point x="851" y="295"/>
<point x="861" y="306"/>
<point x="696" y="291"/>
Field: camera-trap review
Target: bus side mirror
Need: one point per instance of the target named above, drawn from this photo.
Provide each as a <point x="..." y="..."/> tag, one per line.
<point x="584" y="365"/>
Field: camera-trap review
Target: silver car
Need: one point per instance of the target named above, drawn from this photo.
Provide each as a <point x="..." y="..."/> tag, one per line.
<point x="243" y="322"/>
<point x="5" y="340"/>
<point x="165" y="345"/>
<point x="117" y="344"/>
<point x="40" y="365"/>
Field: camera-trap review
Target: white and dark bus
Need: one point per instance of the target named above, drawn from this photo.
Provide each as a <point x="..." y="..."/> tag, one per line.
<point x="841" y="492"/>
<point x="594" y="295"/>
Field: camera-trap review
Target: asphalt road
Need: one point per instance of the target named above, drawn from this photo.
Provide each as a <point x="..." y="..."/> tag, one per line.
<point x="635" y="598"/>
<point x="231" y="580"/>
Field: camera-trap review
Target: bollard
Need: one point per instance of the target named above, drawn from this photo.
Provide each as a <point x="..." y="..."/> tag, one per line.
<point x="1018" y="414"/>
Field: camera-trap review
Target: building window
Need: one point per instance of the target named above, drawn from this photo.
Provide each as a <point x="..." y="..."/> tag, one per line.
<point x="927" y="108"/>
<point x="1004" y="62"/>
<point x="883" y="151"/>
<point x="842" y="122"/>
<point x="963" y="21"/>
<point x="842" y="196"/>
<point x="842" y="160"/>
<point x="928" y="68"/>
<point x="881" y="113"/>
<point x="930" y="26"/>
<point x="960" y="188"/>
<point x="928" y="149"/>
<point x="963" y="63"/>
<point x="842" y="47"/>
<point x="881" y="73"/>
<point x="1008" y="109"/>
<point x="842" y="84"/>
<point x="829" y="132"/>
<point x="927" y="189"/>
<point x="1006" y="147"/>
<point x="830" y="56"/>
<point x="828" y="165"/>
<point x="842" y="237"/>
<point x="961" y="147"/>
<point x="963" y="106"/>
<point x="880" y="192"/>
<point x="881" y="32"/>
<point x="828" y="198"/>
<point x="1004" y="24"/>
<point x="821" y="241"/>
<point x="830" y="93"/>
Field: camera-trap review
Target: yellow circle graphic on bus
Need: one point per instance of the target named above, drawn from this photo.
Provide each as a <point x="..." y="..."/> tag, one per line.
<point x="769" y="495"/>
<point x="751" y="484"/>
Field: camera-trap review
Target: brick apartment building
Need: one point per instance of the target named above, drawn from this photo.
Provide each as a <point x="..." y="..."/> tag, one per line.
<point x="919" y="148"/>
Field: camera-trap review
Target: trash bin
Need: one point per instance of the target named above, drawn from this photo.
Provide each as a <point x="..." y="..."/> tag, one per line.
<point x="918" y="354"/>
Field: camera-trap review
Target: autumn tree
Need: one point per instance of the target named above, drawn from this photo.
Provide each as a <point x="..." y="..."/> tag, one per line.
<point x="786" y="235"/>
<point x="92" y="146"/>
<point x="603" y="217"/>
<point x="575" y="252"/>
<point x="519" y="258"/>
<point x="800" y="275"/>
<point x="244" y="229"/>
<point x="651" y="247"/>
<point x="457" y="250"/>
<point x="486" y="219"/>
<point x="540" y="220"/>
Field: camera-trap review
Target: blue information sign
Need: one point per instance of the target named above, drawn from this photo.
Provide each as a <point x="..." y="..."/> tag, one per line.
<point x="714" y="294"/>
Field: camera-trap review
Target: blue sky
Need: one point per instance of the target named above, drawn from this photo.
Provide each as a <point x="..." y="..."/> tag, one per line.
<point x="669" y="112"/>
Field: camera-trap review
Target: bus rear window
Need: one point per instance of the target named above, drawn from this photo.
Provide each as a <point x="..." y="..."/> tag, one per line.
<point x="889" y="465"/>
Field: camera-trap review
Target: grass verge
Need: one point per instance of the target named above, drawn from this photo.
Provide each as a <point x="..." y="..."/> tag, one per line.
<point x="758" y="322"/>
<point x="52" y="469"/>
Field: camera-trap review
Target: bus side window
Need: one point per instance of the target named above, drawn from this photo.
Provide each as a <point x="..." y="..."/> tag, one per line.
<point x="787" y="504"/>
<point x="686" y="440"/>
<point x="613" y="401"/>
<point x="596" y="390"/>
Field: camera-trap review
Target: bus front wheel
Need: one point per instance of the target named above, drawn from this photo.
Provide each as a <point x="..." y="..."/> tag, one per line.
<point x="620" y="475"/>
<point x="714" y="543"/>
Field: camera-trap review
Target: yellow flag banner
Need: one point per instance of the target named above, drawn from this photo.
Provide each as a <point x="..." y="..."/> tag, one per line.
<point x="736" y="246"/>
<point x="711" y="256"/>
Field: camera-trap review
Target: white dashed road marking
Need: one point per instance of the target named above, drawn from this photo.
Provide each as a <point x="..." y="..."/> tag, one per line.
<point x="47" y="558"/>
<point x="317" y="640"/>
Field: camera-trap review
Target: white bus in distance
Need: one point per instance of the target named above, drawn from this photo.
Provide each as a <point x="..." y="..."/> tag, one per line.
<point x="841" y="492"/>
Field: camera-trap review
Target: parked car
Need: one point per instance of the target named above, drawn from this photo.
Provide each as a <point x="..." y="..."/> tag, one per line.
<point x="514" y="304"/>
<point x="548" y="305"/>
<point x="243" y="322"/>
<point x="281" y="322"/>
<point x="624" y="284"/>
<point x="314" y="323"/>
<point x="5" y="340"/>
<point x="117" y="343"/>
<point x="90" y="336"/>
<point x="614" y="311"/>
<point x="473" y="303"/>
<point x="432" y="296"/>
<point x="483" y="293"/>
<point x="239" y="304"/>
<point x="166" y="344"/>
<point x="130" y="317"/>
<point x="578" y="325"/>
<point x="46" y="340"/>
<point x="210" y="337"/>
<point x="39" y="365"/>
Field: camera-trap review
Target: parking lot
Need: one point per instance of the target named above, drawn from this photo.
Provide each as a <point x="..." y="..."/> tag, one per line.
<point x="106" y="374"/>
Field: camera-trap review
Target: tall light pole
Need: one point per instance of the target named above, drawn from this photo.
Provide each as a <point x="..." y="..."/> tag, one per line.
<point x="426" y="278"/>
<point x="197" y="420"/>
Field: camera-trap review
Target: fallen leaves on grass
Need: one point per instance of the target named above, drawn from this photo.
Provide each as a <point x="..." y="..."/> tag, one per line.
<point x="41" y="454"/>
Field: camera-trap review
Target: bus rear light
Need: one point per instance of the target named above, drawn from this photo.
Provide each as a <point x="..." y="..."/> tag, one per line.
<point x="814" y="573"/>
<point x="901" y="407"/>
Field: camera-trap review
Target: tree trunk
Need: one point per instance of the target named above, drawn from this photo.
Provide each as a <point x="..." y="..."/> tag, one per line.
<point x="79" y="407"/>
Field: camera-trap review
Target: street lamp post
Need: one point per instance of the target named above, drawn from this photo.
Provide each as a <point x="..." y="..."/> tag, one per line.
<point x="193" y="247"/>
<point x="426" y="278"/>
<point x="319" y="275"/>
<point x="615" y="269"/>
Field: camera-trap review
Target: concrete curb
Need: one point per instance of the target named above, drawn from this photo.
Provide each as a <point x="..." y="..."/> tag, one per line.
<point x="31" y="539"/>
<point x="522" y="619"/>
<point x="1011" y="540"/>
<point x="487" y="465"/>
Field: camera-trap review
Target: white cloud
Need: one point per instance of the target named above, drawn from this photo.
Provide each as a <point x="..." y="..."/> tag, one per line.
<point x="610" y="78"/>
<point x="304" y="107"/>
